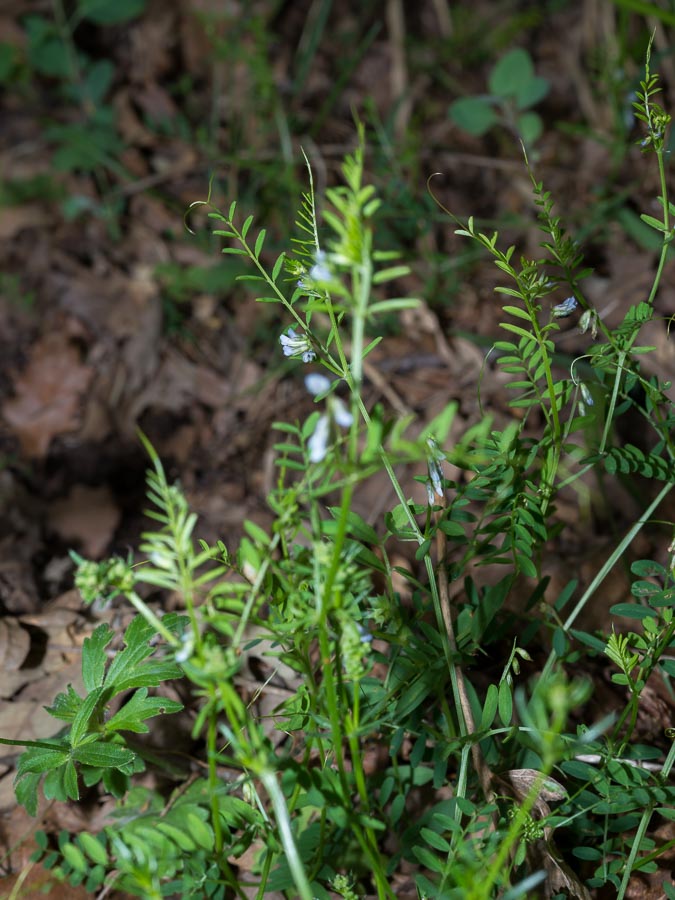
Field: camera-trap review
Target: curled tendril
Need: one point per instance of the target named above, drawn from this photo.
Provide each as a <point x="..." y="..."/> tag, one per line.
<point x="194" y="203"/>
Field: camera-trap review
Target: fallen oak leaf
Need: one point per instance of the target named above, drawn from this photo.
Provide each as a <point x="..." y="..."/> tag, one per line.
<point x="47" y="394"/>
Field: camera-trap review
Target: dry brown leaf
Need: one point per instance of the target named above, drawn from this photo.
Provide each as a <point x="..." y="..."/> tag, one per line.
<point x="14" y="219"/>
<point x="128" y="122"/>
<point x="14" y="645"/>
<point x="523" y="780"/>
<point x="559" y="876"/>
<point x="27" y="720"/>
<point x="47" y="394"/>
<point x="18" y="590"/>
<point x="86" y="515"/>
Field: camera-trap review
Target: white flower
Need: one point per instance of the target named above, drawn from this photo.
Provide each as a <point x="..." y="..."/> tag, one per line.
<point x="566" y="308"/>
<point x="318" y="442"/>
<point x="296" y="345"/>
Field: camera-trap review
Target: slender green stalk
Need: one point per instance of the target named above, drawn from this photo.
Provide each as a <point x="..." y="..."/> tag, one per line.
<point x="607" y="567"/>
<point x="271" y="784"/>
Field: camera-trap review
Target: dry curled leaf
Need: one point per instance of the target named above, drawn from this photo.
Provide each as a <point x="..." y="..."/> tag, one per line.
<point x="47" y="394"/>
<point x="523" y="779"/>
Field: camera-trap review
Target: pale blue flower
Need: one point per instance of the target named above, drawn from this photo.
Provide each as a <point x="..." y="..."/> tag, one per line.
<point x="320" y="270"/>
<point x="589" y="320"/>
<point x="294" y="344"/>
<point x="586" y="394"/>
<point x="336" y="412"/>
<point x="316" y="383"/>
<point x="566" y="308"/>
<point x="341" y="414"/>
<point x="434" y="463"/>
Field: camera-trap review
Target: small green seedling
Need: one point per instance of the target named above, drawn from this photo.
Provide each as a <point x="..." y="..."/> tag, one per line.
<point x="514" y="90"/>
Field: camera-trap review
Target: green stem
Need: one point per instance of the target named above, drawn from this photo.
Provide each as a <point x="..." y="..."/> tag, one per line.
<point x="666" y="225"/>
<point x="271" y="784"/>
<point x="211" y="739"/>
<point x="151" y="618"/>
<point x="605" y="570"/>
<point x="637" y="840"/>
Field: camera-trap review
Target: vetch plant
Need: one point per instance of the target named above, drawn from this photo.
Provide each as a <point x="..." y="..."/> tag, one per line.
<point x="515" y="792"/>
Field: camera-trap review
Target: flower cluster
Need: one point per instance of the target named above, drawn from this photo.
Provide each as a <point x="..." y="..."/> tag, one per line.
<point x="336" y="413"/>
<point x="297" y="345"/>
<point x="566" y="308"/>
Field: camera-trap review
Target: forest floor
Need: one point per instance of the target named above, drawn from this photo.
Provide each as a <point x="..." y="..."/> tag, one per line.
<point x="113" y="317"/>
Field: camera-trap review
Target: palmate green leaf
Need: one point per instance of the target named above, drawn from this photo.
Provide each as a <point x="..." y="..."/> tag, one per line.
<point x="139" y="707"/>
<point x="26" y="792"/>
<point x="149" y="674"/>
<point x="38" y="760"/>
<point x="103" y="755"/>
<point x="136" y="638"/>
<point x="70" y="781"/>
<point x="66" y="705"/>
<point x="80" y="726"/>
<point x="94" y="657"/>
<point x="55" y="786"/>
